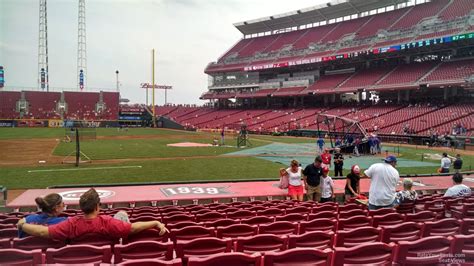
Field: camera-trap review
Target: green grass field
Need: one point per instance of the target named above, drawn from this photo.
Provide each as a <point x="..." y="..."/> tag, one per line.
<point x="141" y="155"/>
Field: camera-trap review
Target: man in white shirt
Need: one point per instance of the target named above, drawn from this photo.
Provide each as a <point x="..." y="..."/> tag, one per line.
<point x="459" y="189"/>
<point x="445" y="163"/>
<point x="384" y="179"/>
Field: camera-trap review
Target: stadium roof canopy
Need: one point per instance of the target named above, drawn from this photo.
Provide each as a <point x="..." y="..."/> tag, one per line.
<point x="322" y="12"/>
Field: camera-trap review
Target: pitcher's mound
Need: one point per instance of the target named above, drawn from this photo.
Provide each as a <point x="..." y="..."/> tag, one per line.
<point x="189" y="144"/>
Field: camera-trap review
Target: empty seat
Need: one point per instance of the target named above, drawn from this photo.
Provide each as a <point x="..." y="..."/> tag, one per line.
<point x="299" y="256"/>
<point x="357" y="236"/>
<point x="387" y="219"/>
<point x="241" y="214"/>
<point x="426" y="251"/>
<point x="79" y="254"/>
<point x="445" y="227"/>
<point x="271" y="212"/>
<point x="467" y="226"/>
<point x="8" y="233"/>
<point x="292" y="217"/>
<point x="407" y="231"/>
<point x="324" y="208"/>
<point x="365" y="254"/>
<point x="317" y="239"/>
<point x="34" y="242"/>
<point x="322" y="214"/>
<point x="421" y="217"/>
<point x="257" y="220"/>
<point x="177" y="218"/>
<point x="210" y="216"/>
<point x="203" y="247"/>
<point x="143" y="250"/>
<point x="260" y="243"/>
<point x="12" y="256"/>
<point x="464" y="244"/>
<point x="182" y="225"/>
<point x="230" y="259"/>
<point x="465" y="211"/>
<point x="381" y="211"/>
<point x="190" y="233"/>
<point x="236" y="230"/>
<point x="354" y="222"/>
<point x="279" y="228"/>
<point x="350" y="206"/>
<point x="299" y="209"/>
<point x="323" y="224"/>
<point x="405" y="208"/>
<point x="5" y="243"/>
<point x="146" y="235"/>
<point x="352" y="213"/>
<point x="152" y="262"/>
<point x="221" y="222"/>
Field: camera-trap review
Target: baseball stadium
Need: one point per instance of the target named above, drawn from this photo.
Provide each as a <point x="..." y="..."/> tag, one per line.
<point x="336" y="134"/>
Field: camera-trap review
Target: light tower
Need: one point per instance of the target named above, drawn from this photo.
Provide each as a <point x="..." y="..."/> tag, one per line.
<point x="43" y="68"/>
<point x="81" y="47"/>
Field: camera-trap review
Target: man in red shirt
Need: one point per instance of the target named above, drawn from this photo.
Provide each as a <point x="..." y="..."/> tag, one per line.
<point x="90" y="223"/>
<point x="326" y="156"/>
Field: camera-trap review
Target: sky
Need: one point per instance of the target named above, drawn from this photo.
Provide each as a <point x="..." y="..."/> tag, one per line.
<point x="186" y="34"/>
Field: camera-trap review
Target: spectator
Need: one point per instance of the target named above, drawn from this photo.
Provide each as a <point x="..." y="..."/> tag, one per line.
<point x="326" y="156"/>
<point x="338" y="162"/>
<point x="91" y="222"/>
<point x="352" y="188"/>
<point x="445" y="163"/>
<point x="459" y="189"/>
<point x="407" y="194"/>
<point x="384" y="178"/>
<point x="51" y="206"/>
<point x="338" y="142"/>
<point x="457" y="164"/>
<point x="356" y="147"/>
<point x="320" y="143"/>
<point x="295" y="187"/>
<point x="312" y="177"/>
<point x="327" y="186"/>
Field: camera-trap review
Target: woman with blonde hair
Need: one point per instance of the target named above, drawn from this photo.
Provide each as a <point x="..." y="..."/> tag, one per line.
<point x="51" y="206"/>
<point x="295" y="186"/>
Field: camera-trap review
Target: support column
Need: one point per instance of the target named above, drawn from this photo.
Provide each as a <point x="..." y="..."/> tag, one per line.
<point x="445" y="93"/>
<point x="407" y="96"/>
<point x="399" y="96"/>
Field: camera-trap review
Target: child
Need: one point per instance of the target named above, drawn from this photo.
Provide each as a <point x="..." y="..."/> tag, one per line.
<point x="327" y="186"/>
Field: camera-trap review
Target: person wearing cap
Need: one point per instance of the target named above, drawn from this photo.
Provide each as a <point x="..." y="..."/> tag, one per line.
<point x="384" y="179"/>
<point x="327" y="186"/>
<point x="352" y="188"/>
<point x="459" y="189"/>
<point x="312" y="178"/>
<point x="91" y="223"/>
<point x="445" y="163"/>
<point x="407" y="194"/>
<point x="338" y="162"/>
<point x="326" y="156"/>
<point x="295" y="186"/>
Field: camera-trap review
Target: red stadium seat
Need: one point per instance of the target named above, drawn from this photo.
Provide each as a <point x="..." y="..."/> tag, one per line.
<point x="387" y="219"/>
<point x="271" y="212"/>
<point x="191" y="232"/>
<point x="325" y="207"/>
<point x="426" y="251"/>
<point x="465" y="211"/>
<point x="405" y="208"/>
<point x="421" y="217"/>
<point x="221" y="222"/>
<point x="350" y="206"/>
<point x="256" y="208"/>
<point x="12" y="256"/>
<point x="278" y="228"/>
<point x="228" y="259"/>
<point x="381" y="211"/>
<point x="299" y="256"/>
<point x="260" y="243"/>
<point x="146" y="235"/>
<point x="143" y="250"/>
<point x="464" y="244"/>
<point x="180" y="225"/>
<point x="8" y="233"/>
<point x="177" y="218"/>
<point x="209" y="217"/>
<point x="354" y="222"/>
<point x="467" y="226"/>
<point x="445" y="227"/>
<point x="79" y="254"/>
<point x="364" y="254"/>
<point x="322" y="214"/>
<point x="352" y="213"/>
<point x="241" y="214"/>
<point x="203" y="247"/>
<point x="317" y="239"/>
<point x="34" y="242"/>
<point x="236" y="230"/>
<point x="152" y="262"/>
<point x="5" y="243"/>
<point x="9" y="220"/>
<point x="257" y="220"/>
<point x="292" y="217"/>
<point x="93" y="239"/>
<point x="300" y="209"/>
<point x="407" y="231"/>
<point x="354" y="237"/>
<point x="323" y="224"/>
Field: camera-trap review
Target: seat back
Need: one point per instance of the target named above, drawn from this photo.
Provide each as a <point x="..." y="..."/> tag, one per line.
<point x="421" y="217"/>
<point x="257" y="220"/>
<point x="79" y="254"/>
<point x="352" y="213"/>
<point x="322" y="214"/>
<point x="323" y="224"/>
<point x="407" y="231"/>
<point x="8" y="233"/>
<point x="191" y="232"/>
<point x="241" y="214"/>
<point x="292" y="217"/>
<point x="445" y="227"/>
<point x="203" y="247"/>
<point x="464" y="244"/>
<point x="365" y="254"/>
<point x="34" y="242"/>
<point x="236" y="230"/>
<point x="317" y="239"/>
<point x="260" y="243"/>
<point x="354" y="237"/>
<point x="381" y="211"/>
<point x="146" y="235"/>
<point x="228" y="259"/>
<point x="221" y="222"/>
<point x="143" y="250"/>
<point x="354" y="222"/>
<point x="415" y="252"/>
<point x="278" y="228"/>
<point x="152" y="262"/>
<point x="299" y="256"/>
<point x="12" y="256"/>
<point x="387" y="219"/>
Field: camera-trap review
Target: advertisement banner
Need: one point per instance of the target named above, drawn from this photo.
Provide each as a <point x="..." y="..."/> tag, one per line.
<point x="32" y="123"/>
<point x="55" y="123"/>
<point x="6" y="123"/>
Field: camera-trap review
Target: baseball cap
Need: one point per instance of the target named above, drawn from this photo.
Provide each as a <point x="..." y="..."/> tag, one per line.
<point x="325" y="169"/>
<point x="390" y="159"/>
<point x="356" y="169"/>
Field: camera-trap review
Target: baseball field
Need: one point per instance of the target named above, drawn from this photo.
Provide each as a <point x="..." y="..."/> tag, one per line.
<point x="33" y="157"/>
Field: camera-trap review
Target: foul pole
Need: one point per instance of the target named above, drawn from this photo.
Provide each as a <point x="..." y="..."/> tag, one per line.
<point x="153" y="84"/>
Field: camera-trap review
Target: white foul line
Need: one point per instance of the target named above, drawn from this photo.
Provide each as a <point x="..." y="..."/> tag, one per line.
<point x="83" y="169"/>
